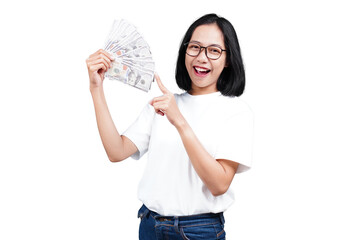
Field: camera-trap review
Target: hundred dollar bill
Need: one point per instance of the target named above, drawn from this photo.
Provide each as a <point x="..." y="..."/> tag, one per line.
<point x="130" y="75"/>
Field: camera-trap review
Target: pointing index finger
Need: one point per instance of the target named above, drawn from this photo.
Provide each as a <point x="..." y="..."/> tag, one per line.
<point x="160" y="84"/>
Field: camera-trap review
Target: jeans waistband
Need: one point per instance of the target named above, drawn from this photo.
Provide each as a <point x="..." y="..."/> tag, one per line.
<point x="147" y="211"/>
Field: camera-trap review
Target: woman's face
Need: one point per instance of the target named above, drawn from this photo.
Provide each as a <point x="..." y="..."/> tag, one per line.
<point x="205" y="72"/>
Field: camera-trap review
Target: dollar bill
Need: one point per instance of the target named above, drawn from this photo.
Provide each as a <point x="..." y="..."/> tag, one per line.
<point x="131" y="75"/>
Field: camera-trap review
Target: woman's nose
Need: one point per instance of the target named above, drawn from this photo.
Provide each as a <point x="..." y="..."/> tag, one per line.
<point x="202" y="55"/>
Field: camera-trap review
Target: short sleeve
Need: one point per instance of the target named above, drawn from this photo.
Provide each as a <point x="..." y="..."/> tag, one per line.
<point x="236" y="139"/>
<point x="139" y="132"/>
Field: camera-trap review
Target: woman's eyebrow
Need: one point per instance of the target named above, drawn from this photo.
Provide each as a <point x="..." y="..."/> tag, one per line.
<point x="193" y="41"/>
<point x="214" y="44"/>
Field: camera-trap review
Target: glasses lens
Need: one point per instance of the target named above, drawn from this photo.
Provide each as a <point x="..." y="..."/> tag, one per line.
<point x="193" y="49"/>
<point x="213" y="52"/>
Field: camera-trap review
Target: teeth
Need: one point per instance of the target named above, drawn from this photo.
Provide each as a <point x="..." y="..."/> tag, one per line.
<point x="201" y="69"/>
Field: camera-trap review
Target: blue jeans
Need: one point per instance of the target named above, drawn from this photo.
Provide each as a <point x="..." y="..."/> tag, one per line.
<point x="207" y="226"/>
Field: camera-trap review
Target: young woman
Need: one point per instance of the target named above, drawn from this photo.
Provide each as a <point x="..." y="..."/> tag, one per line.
<point x="196" y="141"/>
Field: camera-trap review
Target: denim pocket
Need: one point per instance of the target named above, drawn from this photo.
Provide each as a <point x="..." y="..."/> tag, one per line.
<point x="212" y="231"/>
<point x="220" y="231"/>
<point x="183" y="234"/>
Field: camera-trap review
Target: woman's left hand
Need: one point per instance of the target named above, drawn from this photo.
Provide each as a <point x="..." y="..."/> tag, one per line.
<point x="166" y="105"/>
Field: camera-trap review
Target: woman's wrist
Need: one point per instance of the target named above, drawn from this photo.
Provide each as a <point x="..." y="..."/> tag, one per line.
<point x="181" y="125"/>
<point x="95" y="88"/>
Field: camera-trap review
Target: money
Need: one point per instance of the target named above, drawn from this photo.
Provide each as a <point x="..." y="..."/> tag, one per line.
<point x="132" y="75"/>
<point x="133" y="64"/>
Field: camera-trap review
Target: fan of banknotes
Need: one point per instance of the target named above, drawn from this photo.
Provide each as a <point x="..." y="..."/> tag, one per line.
<point x="133" y="64"/>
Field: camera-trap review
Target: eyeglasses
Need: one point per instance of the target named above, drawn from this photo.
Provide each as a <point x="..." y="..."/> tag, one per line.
<point x="212" y="52"/>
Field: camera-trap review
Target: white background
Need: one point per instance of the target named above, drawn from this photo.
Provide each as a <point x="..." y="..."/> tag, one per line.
<point x="302" y="65"/>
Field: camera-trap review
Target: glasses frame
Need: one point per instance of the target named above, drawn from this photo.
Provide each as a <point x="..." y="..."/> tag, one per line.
<point x="201" y="48"/>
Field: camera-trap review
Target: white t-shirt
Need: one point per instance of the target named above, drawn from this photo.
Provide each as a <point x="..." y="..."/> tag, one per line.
<point x="170" y="184"/>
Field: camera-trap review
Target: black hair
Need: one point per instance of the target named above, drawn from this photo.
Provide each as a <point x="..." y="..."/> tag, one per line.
<point x="231" y="81"/>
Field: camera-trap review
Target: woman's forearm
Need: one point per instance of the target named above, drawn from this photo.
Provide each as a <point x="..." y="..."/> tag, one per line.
<point x="112" y="141"/>
<point x="209" y="170"/>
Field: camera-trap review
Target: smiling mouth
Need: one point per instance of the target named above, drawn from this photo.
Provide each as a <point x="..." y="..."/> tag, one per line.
<point x="199" y="71"/>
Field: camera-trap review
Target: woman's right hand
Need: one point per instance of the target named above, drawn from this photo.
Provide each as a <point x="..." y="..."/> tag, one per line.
<point x="97" y="64"/>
